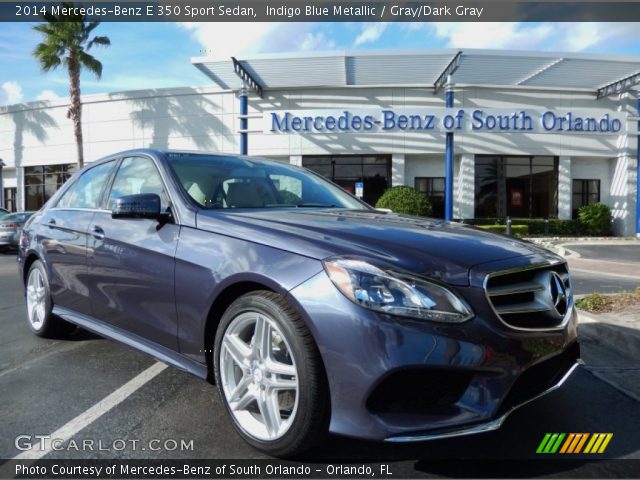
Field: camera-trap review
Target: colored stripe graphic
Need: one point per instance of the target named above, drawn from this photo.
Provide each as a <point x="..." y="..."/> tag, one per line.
<point x="573" y="443"/>
<point x="567" y="443"/>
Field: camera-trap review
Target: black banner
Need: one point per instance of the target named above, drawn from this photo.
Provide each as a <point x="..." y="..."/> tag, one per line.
<point x="326" y="10"/>
<point x="270" y="469"/>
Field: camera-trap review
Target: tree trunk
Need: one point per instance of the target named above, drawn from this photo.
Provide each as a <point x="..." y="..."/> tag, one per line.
<point x="75" y="110"/>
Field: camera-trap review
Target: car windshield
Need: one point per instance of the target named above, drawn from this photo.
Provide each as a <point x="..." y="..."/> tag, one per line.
<point x="216" y="182"/>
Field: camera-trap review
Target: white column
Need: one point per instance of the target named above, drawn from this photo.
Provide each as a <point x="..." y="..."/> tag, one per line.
<point x="295" y="160"/>
<point x="622" y="197"/>
<point x="564" y="188"/>
<point x="464" y="187"/>
<point x="397" y="169"/>
<point x="20" y="200"/>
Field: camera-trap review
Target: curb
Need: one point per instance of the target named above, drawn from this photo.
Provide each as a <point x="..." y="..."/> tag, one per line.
<point x="621" y="338"/>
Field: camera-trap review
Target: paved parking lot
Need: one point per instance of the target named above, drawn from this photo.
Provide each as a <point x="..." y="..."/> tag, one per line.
<point x="45" y="384"/>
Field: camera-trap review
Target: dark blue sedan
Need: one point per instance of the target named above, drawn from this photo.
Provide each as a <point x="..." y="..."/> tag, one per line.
<point x="312" y="311"/>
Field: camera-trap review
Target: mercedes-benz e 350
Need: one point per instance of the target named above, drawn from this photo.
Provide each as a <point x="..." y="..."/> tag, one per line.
<point x="310" y="310"/>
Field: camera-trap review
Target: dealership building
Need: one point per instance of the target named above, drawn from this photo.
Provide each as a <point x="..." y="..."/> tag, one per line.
<point x="481" y="133"/>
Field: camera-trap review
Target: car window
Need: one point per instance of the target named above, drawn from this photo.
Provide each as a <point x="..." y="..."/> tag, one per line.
<point x="87" y="189"/>
<point x="138" y="175"/>
<point x="215" y="181"/>
<point x="17" y="217"/>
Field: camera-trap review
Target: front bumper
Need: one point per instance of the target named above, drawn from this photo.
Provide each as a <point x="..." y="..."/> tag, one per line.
<point x="464" y="378"/>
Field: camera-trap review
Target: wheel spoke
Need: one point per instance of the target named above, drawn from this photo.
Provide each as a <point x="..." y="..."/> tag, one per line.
<point x="241" y="389"/>
<point x="31" y="306"/>
<point x="279" y="368"/>
<point x="239" y="351"/>
<point x="262" y="339"/>
<point x="276" y="383"/>
<point x="270" y="411"/>
<point x="244" y="401"/>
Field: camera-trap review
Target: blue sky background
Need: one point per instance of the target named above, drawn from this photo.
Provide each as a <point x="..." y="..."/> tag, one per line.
<point x="156" y="55"/>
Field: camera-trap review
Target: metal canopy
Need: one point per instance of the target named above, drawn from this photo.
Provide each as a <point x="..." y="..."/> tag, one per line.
<point x="500" y="68"/>
<point x="619" y="86"/>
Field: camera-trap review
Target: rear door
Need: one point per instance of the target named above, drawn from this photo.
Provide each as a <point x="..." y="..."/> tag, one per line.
<point x="63" y="236"/>
<point x="131" y="262"/>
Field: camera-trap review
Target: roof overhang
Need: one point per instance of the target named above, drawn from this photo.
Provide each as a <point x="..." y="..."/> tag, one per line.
<point x="504" y="68"/>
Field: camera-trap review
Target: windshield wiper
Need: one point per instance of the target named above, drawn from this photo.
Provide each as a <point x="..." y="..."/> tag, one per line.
<point x="316" y="205"/>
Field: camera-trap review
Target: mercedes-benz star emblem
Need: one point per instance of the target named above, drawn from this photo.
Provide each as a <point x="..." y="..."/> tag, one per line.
<point x="558" y="294"/>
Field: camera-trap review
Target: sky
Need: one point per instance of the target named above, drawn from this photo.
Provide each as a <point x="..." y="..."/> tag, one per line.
<point x="157" y="55"/>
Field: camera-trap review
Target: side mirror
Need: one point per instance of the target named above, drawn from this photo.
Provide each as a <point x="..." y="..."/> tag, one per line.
<point x="142" y="205"/>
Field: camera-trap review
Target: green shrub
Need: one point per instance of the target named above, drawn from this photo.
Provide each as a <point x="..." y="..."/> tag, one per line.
<point x="593" y="302"/>
<point x="518" y="230"/>
<point x="403" y="199"/>
<point x="595" y="218"/>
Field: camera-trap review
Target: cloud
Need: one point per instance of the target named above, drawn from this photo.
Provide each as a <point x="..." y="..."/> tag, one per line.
<point x="47" y="96"/>
<point x="223" y="40"/>
<point x="317" y="41"/>
<point x="10" y="93"/>
<point x="371" y="32"/>
<point x="572" y="37"/>
<point x="512" y="35"/>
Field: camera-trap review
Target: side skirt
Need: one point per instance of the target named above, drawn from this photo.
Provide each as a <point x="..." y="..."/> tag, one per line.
<point x="134" y="341"/>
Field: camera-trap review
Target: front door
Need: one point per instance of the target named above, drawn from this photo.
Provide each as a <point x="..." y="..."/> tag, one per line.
<point x="63" y="235"/>
<point x="132" y="261"/>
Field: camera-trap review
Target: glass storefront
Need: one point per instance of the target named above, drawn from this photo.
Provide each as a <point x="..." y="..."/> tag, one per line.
<point x="516" y="186"/>
<point x="42" y="181"/>
<point x="374" y="171"/>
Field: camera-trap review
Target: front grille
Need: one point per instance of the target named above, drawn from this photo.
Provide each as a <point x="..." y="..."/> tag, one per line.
<point x="535" y="298"/>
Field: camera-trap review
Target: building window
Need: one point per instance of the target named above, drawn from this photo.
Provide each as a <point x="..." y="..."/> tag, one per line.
<point x="516" y="186"/>
<point x="433" y="189"/>
<point x="42" y="181"/>
<point x="585" y="192"/>
<point x="10" y="195"/>
<point x="374" y="171"/>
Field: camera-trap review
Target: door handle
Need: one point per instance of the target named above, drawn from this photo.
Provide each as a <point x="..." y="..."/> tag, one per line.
<point x="52" y="222"/>
<point x="97" y="232"/>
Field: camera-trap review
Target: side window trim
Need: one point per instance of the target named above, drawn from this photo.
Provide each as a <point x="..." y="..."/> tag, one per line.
<point x="77" y="180"/>
<point x="104" y="199"/>
<point x="120" y="160"/>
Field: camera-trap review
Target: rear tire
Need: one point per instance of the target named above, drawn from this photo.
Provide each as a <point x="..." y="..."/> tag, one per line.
<point x="39" y="305"/>
<point x="270" y="375"/>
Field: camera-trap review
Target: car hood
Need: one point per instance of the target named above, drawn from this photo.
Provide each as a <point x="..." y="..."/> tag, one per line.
<point x="442" y="250"/>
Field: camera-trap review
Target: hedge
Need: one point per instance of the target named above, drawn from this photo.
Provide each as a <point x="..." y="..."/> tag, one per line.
<point x="536" y="225"/>
<point x="519" y="230"/>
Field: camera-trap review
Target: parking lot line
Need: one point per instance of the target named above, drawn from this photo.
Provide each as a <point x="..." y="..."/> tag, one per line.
<point x="67" y="431"/>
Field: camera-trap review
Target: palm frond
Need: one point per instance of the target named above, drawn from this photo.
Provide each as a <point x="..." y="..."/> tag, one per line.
<point x="90" y="63"/>
<point x="102" y="41"/>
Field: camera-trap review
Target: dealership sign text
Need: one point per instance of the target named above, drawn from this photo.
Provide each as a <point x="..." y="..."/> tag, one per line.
<point x="445" y="120"/>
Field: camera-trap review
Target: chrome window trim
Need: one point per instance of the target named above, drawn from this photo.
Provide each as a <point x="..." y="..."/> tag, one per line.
<point x="534" y="266"/>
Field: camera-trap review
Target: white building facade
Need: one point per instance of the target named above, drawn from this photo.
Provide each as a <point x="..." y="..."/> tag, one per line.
<point x="551" y="147"/>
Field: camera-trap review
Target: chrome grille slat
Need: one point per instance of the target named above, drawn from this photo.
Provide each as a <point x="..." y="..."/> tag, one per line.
<point x="537" y="297"/>
<point x="521" y="308"/>
<point x="520" y="288"/>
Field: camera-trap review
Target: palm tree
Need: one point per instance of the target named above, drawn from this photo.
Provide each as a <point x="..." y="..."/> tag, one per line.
<point x="67" y="40"/>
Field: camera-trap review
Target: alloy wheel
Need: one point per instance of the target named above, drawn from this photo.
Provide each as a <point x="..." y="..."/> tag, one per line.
<point x="36" y="299"/>
<point x="259" y="376"/>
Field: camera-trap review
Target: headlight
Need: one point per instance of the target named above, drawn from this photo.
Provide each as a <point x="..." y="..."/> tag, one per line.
<point x="395" y="293"/>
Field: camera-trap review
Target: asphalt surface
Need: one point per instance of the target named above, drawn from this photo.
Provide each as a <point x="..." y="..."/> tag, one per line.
<point x="44" y="384"/>
<point x="621" y="253"/>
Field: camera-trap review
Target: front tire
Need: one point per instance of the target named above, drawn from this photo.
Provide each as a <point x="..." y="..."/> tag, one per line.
<point x="39" y="305"/>
<point x="270" y="375"/>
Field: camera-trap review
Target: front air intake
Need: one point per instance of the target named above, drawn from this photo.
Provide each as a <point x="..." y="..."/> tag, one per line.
<point x="531" y="298"/>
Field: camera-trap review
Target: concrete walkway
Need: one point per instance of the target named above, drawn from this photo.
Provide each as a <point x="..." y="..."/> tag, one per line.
<point x="610" y="348"/>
